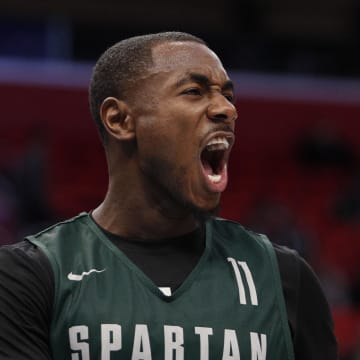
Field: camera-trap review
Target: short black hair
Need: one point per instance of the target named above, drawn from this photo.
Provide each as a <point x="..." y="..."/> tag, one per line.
<point x="119" y="67"/>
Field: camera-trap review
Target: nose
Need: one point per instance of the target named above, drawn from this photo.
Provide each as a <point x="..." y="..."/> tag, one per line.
<point x="221" y="109"/>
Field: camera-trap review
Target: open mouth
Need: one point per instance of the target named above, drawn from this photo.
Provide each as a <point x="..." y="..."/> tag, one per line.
<point x="214" y="158"/>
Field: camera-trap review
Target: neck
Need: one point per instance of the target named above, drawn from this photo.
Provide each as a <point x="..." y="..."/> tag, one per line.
<point x="134" y="205"/>
<point x="138" y="214"/>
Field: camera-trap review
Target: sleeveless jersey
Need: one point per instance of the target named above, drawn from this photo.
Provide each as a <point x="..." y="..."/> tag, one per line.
<point x="230" y="307"/>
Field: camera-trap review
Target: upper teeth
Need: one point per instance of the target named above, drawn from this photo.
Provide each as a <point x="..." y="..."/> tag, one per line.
<point x="218" y="143"/>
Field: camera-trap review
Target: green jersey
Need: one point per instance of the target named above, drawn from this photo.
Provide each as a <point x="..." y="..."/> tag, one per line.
<point x="230" y="307"/>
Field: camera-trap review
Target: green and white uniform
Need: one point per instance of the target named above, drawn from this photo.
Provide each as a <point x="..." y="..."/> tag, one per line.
<point x="230" y="307"/>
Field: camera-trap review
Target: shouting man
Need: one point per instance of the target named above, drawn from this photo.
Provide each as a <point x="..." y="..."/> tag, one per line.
<point x="151" y="273"/>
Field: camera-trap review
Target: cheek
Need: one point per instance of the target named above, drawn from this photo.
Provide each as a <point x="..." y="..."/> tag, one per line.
<point x="168" y="140"/>
<point x="152" y="143"/>
<point x="165" y="137"/>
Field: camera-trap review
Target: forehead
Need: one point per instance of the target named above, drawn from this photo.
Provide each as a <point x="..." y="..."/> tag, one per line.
<point x="176" y="59"/>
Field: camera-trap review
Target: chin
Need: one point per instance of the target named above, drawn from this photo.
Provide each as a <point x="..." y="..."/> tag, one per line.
<point x="201" y="214"/>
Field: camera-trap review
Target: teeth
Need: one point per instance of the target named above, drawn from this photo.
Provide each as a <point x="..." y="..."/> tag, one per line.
<point x="219" y="143"/>
<point x="214" y="178"/>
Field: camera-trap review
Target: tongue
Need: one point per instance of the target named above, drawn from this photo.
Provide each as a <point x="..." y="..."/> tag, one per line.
<point x="215" y="182"/>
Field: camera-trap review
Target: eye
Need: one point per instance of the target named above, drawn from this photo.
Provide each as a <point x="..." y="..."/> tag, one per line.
<point x="193" y="91"/>
<point x="229" y="97"/>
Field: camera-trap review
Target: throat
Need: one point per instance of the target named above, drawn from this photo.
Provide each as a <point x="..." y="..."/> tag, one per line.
<point x="149" y="214"/>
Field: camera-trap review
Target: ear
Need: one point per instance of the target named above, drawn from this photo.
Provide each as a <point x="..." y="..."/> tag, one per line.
<point x="116" y="117"/>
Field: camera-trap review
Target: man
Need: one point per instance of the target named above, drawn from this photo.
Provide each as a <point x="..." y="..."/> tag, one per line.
<point x="150" y="273"/>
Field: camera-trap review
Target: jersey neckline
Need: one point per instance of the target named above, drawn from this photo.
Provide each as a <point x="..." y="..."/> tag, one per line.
<point x="143" y="277"/>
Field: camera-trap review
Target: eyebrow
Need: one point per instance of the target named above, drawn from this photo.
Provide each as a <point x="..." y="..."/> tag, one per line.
<point x="203" y="80"/>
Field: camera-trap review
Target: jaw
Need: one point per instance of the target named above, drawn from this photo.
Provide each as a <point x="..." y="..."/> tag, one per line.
<point x="192" y="184"/>
<point x="201" y="180"/>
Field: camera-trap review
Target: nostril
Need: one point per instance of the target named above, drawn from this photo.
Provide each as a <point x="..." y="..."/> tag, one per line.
<point x="219" y="117"/>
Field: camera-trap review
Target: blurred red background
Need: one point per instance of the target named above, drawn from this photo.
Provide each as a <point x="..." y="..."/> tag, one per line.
<point x="294" y="165"/>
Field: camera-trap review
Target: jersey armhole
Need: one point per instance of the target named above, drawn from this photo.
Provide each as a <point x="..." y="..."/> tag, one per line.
<point x="53" y="263"/>
<point x="279" y="296"/>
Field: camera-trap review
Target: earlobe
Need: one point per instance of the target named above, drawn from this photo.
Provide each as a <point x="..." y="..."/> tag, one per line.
<point x="116" y="117"/>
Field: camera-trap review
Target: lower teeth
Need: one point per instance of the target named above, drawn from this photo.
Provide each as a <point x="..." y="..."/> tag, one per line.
<point x="214" y="178"/>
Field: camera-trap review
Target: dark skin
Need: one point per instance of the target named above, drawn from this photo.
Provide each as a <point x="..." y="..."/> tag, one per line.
<point x="155" y="140"/>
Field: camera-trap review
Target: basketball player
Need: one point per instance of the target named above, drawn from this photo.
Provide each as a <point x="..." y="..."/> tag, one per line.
<point x="151" y="273"/>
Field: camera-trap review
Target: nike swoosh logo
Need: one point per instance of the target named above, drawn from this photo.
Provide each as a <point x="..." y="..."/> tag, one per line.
<point x="77" y="277"/>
